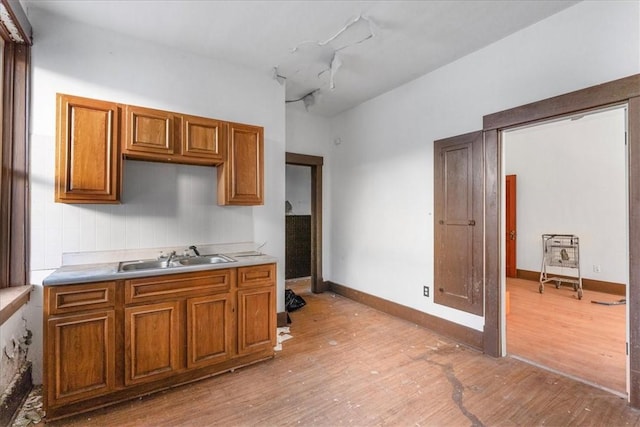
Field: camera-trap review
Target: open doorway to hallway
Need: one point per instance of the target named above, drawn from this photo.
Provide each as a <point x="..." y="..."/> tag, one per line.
<point x="571" y="179"/>
<point x="298" y="227"/>
<point x="304" y="188"/>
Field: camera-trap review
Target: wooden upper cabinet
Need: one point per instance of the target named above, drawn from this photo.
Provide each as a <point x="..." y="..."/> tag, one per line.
<point x="87" y="151"/>
<point x="89" y="148"/>
<point x="149" y="132"/>
<point x="203" y="138"/>
<point x="164" y="136"/>
<point x="241" y="176"/>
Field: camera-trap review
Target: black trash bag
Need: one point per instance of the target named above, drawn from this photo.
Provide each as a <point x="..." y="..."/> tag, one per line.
<point x="293" y="302"/>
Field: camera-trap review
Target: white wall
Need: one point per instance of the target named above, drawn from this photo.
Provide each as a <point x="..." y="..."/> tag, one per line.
<point x="382" y="197"/>
<point x="298" y="189"/>
<point x="163" y="204"/>
<point x="311" y="135"/>
<point x="571" y="179"/>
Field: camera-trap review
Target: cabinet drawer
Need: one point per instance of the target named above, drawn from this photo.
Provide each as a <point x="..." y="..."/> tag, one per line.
<point x="257" y="275"/>
<point x="70" y="298"/>
<point x="177" y="285"/>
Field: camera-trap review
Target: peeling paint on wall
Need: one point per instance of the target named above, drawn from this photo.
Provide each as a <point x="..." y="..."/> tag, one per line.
<point x="15" y="339"/>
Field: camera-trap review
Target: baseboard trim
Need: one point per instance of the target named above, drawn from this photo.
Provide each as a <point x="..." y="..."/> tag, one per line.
<point x="282" y="319"/>
<point x="590" y="284"/>
<point x="462" y="334"/>
<point x="15" y="395"/>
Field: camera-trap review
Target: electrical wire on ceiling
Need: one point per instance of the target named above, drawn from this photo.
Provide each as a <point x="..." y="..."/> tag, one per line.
<point x="277" y="77"/>
<point x="308" y="100"/>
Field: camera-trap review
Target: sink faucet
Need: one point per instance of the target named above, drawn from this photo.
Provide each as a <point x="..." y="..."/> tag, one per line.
<point x="195" y="250"/>
<point x="170" y="257"/>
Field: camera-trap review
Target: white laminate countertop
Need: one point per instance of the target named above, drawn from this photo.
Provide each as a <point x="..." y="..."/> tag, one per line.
<point x="88" y="273"/>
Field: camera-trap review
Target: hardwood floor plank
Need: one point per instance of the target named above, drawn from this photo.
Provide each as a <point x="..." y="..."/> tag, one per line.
<point x="350" y="364"/>
<point x="557" y="330"/>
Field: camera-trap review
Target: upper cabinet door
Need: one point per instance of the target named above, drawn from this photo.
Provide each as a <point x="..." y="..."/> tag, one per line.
<point x="149" y="131"/>
<point x="241" y="176"/>
<point x="88" y="151"/>
<point x="203" y="138"/>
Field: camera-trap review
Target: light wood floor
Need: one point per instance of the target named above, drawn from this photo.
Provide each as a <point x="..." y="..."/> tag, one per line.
<point x="350" y="364"/>
<point x="577" y="337"/>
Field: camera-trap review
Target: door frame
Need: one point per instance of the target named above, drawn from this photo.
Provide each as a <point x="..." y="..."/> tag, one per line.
<point x="618" y="92"/>
<point x="510" y="212"/>
<point x="315" y="163"/>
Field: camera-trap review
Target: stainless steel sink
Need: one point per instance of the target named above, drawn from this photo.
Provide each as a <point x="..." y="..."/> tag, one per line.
<point x="206" y="259"/>
<point x="146" y="265"/>
<point x="175" y="263"/>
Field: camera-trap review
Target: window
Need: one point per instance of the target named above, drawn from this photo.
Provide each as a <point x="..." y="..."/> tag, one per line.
<point x="15" y="33"/>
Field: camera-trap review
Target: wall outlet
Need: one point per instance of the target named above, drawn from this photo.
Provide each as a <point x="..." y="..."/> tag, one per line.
<point x="425" y="291"/>
<point x="596" y="268"/>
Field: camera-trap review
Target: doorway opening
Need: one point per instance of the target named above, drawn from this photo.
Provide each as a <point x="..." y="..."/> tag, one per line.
<point x="303" y="217"/>
<point x="572" y="179"/>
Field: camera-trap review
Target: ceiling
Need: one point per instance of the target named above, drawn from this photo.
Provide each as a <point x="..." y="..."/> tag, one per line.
<point x="361" y="48"/>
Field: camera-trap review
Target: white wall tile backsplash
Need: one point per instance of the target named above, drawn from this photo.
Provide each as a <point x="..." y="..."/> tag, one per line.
<point x="163" y="205"/>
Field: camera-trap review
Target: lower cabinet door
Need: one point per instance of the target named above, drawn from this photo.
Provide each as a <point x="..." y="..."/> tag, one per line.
<point x="152" y="347"/>
<point x="209" y="333"/>
<point x="79" y="356"/>
<point x="256" y="319"/>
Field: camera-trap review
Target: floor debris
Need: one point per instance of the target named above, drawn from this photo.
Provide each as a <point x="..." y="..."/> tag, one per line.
<point x="619" y="302"/>
<point x="32" y="411"/>
<point x="283" y="335"/>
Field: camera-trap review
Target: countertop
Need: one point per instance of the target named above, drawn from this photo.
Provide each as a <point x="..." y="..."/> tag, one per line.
<point x="88" y="273"/>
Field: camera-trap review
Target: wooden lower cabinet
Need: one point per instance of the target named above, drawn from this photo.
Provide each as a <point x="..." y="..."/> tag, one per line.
<point x="151" y="340"/>
<point x="209" y="328"/>
<point x="110" y="341"/>
<point x="79" y="356"/>
<point x="256" y="323"/>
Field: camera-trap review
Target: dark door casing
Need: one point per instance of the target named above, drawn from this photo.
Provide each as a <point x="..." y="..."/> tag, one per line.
<point x="458" y="195"/>
<point x="511" y="234"/>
